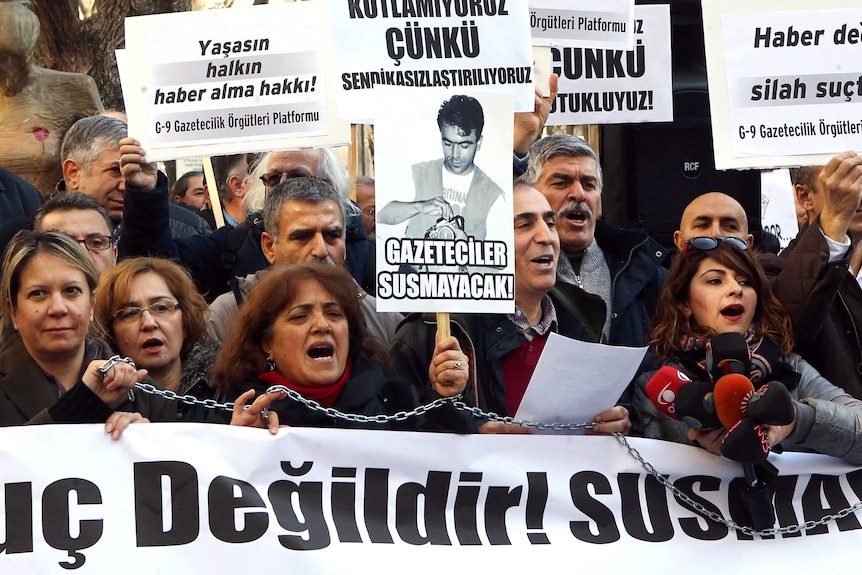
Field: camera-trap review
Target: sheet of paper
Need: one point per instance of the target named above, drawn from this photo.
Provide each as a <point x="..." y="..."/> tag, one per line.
<point x="575" y="380"/>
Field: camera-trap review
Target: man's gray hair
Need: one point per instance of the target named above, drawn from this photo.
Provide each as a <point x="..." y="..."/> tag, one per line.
<point x="87" y="138"/>
<point x="558" y="145"/>
<point x="329" y="168"/>
<point x="307" y="189"/>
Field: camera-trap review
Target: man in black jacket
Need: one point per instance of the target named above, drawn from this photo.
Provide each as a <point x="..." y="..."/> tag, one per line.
<point x="216" y="258"/>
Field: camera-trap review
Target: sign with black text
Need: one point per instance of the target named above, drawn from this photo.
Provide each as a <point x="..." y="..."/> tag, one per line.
<point x="607" y="86"/>
<point x="587" y="23"/>
<point x="230" y="81"/>
<point x="785" y="81"/>
<point x="431" y="44"/>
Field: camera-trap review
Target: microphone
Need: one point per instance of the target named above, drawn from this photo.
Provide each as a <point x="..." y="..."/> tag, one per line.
<point x="772" y="404"/>
<point x="746" y="442"/>
<point x="663" y="387"/>
<point x="695" y="405"/>
<point x="732" y="394"/>
<point x="727" y="353"/>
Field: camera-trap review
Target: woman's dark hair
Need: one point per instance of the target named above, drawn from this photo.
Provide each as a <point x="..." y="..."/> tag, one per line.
<point x="243" y="357"/>
<point x="672" y="323"/>
<point x="115" y="288"/>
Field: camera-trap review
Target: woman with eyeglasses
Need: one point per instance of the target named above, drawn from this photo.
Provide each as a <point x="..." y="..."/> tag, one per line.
<point x="52" y="371"/>
<point x="716" y="286"/>
<point x="151" y="311"/>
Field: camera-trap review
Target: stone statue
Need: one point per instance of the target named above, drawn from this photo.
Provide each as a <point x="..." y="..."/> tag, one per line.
<point x="37" y="105"/>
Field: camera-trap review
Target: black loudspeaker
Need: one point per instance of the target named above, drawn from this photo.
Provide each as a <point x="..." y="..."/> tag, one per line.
<point x="652" y="171"/>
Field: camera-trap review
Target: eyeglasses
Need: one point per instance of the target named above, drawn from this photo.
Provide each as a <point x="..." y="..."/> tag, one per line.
<point x="160" y="308"/>
<point x="97" y="243"/>
<point x="272" y="180"/>
<point x="707" y="243"/>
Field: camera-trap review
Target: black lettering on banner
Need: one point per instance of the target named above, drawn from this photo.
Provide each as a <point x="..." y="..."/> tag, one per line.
<point x="434" y="495"/>
<point x="460" y="286"/>
<point x="466" y="508"/>
<point x="581" y="484"/>
<point x="184" y="510"/>
<point x="698" y="527"/>
<point x="499" y="500"/>
<point x="634" y="517"/>
<point x="18" y="499"/>
<point x="310" y="499"/>
<point x="537" y="499"/>
<point x="826" y="488"/>
<point x="344" y="505"/>
<point x="376" y="505"/>
<point x="784" y="488"/>
<point x="223" y="504"/>
<point x="56" y="527"/>
<point x="854" y="480"/>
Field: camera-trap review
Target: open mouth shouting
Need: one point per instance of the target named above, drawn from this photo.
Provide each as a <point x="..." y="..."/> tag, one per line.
<point x="577" y="213"/>
<point x="321" y="351"/>
<point x="733" y="312"/>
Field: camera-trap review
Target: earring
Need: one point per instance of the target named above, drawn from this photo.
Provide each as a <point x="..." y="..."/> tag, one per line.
<point x="270" y="362"/>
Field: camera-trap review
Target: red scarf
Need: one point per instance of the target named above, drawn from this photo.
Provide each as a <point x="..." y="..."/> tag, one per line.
<point x="325" y="395"/>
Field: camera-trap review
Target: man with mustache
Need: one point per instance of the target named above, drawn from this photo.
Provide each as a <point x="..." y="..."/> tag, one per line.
<point x="622" y="266"/>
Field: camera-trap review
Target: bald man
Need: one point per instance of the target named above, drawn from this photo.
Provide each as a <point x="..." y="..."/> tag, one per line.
<point x="712" y="214"/>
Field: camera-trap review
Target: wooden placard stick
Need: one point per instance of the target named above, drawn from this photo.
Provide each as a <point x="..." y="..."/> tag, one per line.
<point x="443" y="330"/>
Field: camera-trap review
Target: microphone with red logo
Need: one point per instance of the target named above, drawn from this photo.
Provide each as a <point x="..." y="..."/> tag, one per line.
<point x="677" y="396"/>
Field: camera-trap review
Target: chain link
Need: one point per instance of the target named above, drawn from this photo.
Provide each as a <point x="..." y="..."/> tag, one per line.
<point x="700" y="509"/>
<point x="491" y="416"/>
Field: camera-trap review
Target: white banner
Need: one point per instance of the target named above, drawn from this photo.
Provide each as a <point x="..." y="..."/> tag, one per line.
<point x="785" y="80"/>
<point x="228" y="81"/>
<point x="592" y="23"/>
<point x="196" y="498"/>
<point x="616" y="87"/>
<point x="430" y="44"/>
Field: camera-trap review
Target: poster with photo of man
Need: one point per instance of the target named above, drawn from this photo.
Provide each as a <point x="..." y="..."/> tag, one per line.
<point x="444" y="212"/>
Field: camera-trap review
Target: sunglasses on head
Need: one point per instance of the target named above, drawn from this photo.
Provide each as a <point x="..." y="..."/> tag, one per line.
<point x="707" y="243"/>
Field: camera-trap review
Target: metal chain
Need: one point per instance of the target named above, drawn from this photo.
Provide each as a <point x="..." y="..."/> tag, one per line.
<point x="700" y="509"/>
<point x="490" y="416"/>
<point x="186" y="399"/>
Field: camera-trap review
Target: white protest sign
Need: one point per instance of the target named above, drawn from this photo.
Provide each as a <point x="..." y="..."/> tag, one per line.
<point x="185" y="498"/>
<point x="230" y="81"/>
<point x="778" y="208"/>
<point x="613" y="86"/>
<point x="444" y="202"/>
<point x="591" y="23"/>
<point x="431" y="44"/>
<point x="785" y="80"/>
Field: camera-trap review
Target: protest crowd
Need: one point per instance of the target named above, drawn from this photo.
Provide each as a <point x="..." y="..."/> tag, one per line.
<point x="118" y="278"/>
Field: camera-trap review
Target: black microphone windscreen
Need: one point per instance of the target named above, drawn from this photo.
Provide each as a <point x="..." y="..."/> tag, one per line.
<point x="695" y="405"/>
<point x="746" y="442"/>
<point x="772" y="404"/>
<point x="727" y="353"/>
